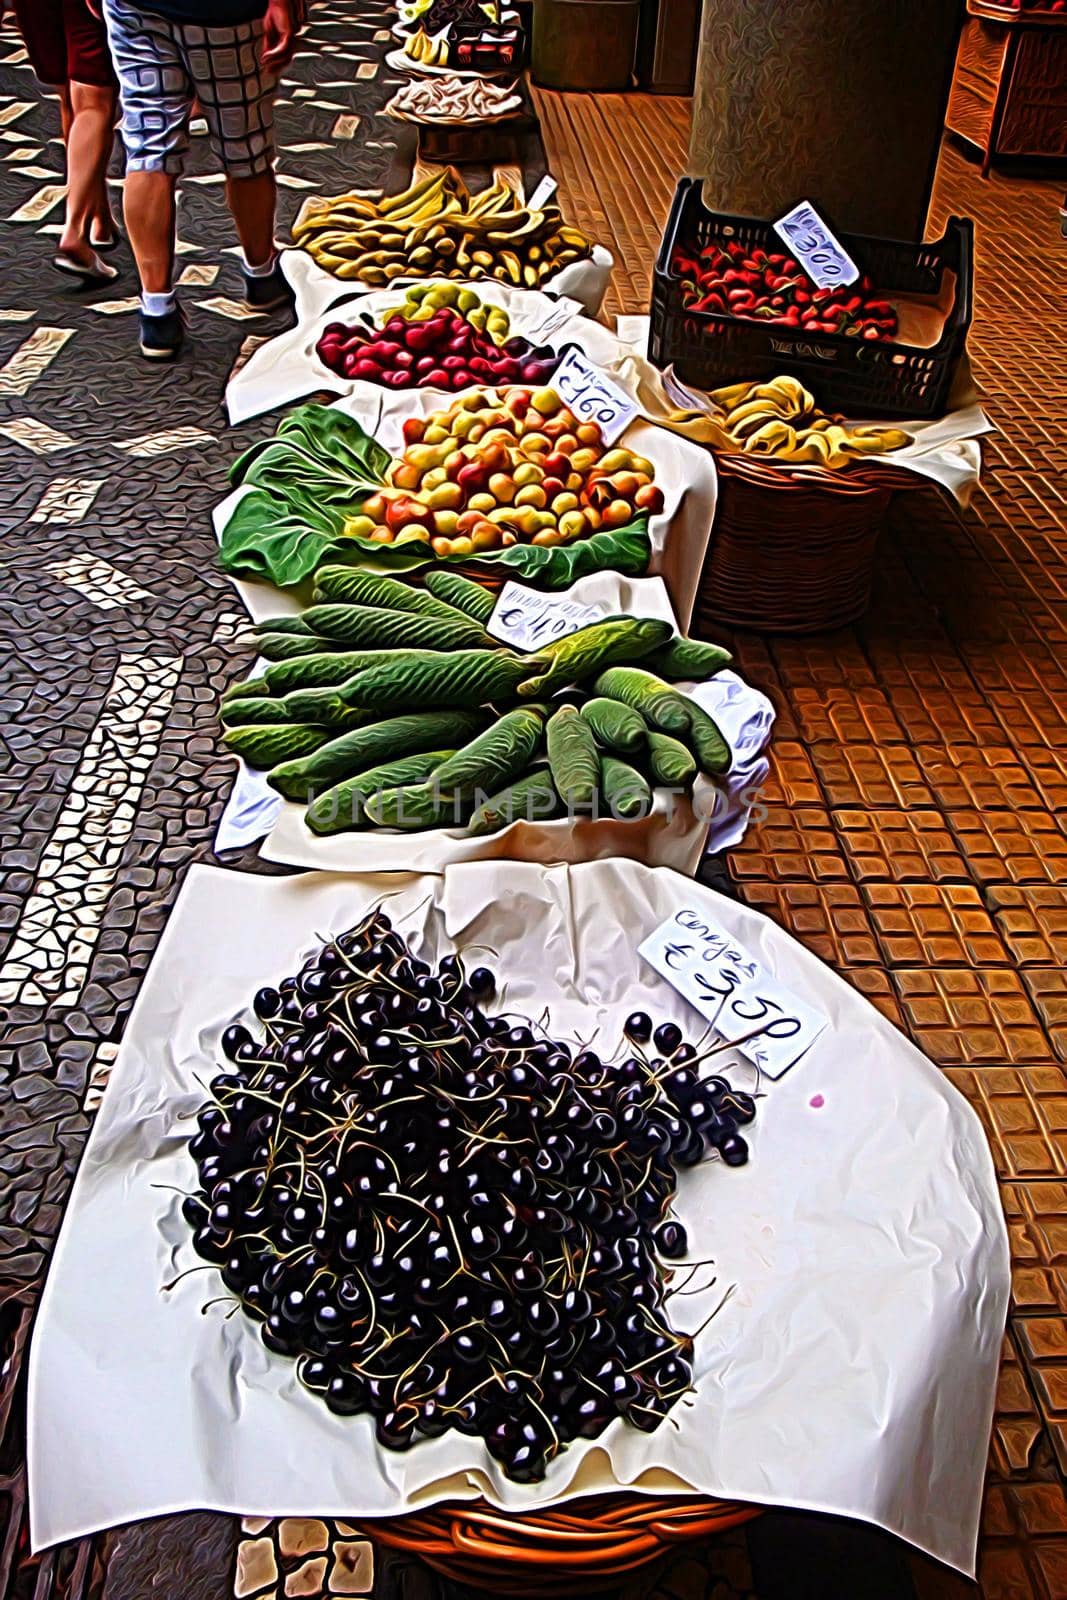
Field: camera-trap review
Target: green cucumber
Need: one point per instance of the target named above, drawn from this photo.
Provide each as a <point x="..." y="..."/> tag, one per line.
<point x="688" y="660"/>
<point x="250" y="689"/>
<point x="617" y="726"/>
<point x="705" y="739"/>
<point x="657" y="702"/>
<point x="295" y="625"/>
<point x="485" y="765"/>
<point x="669" y="761"/>
<point x="324" y="706"/>
<point x="531" y="799"/>
<point x="287" y="646"/>
<point x="429" y="680"/>
<point x="262" y="709"/>
<point x="573" y="758"/>
<point x="601" y="645"/>
<point x="342" y="807"/>
<point x="321" y="671"/>
<point x="266" y="746"/>
<point x="416" y="806"/>
<point x="368" y="746"/>
<point x="461" y="593"/>
<point x="623" y="791"/>
<point x="375" y="627"/>
<point x="355" y="588"/>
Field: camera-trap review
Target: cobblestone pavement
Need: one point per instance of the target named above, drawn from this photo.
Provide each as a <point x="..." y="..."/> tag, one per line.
<point x="915" y="835"/>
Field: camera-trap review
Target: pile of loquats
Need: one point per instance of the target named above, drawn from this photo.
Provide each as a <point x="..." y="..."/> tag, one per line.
<point x="504" y="468"/>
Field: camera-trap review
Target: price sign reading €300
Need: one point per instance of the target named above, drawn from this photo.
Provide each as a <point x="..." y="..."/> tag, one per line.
<point x="729" y="987"/>
<point x="823" y="257"/>
<point x="593" y="397"/>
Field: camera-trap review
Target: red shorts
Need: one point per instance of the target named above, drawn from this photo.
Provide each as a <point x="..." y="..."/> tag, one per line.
<point x="65" y="42"/>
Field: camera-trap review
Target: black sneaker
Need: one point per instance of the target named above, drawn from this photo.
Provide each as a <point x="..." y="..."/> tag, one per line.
<point x="161" y="337"/>
<point x="263" y="294"/>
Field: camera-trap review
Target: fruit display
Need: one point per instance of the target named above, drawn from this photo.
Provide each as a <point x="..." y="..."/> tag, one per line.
<point x="442" y="337"/>
<point x="493" y="471"/>
<point x="438" y="229"/>
<point x="387" y="705"/>
<point x="435" y="15"/>
<point x="450" y="1219"/>
<point x="454" y="100"/>
<point x="426" y="49"/>
<point x="506" y="477"/>
<point x="780" y="419"/>
<point x="773" y="287"/>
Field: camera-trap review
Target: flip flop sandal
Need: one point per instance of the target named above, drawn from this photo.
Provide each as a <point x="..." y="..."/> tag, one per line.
<point x="105" y="246"/>
<point x="94" y="272"/>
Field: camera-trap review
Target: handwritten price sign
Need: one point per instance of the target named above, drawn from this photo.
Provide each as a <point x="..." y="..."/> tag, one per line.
<point x="526" y="620"/>
<point x="593" y="397"/>
<point x="730" y="988"/>
<point x="824" y="258"/>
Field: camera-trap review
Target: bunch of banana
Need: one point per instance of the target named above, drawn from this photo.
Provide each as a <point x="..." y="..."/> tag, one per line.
<point x="429" y="50"/>
<point x="438" y="229"/>
<point x="781" y="419"/>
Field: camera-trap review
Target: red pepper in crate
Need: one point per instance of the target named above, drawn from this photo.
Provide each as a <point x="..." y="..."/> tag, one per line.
<point x="730" y="280"/>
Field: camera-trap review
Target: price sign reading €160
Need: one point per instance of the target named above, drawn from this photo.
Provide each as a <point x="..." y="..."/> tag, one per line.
<point x="741" y="1000"/>
<point x="823" y="257"/>
<point x="593" y="397"/>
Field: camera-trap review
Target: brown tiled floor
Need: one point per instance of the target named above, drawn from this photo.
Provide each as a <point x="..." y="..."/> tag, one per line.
<point x="915" y="833"/>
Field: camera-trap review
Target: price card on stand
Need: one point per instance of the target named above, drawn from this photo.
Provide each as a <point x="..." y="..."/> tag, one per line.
<point x="824" y="258"/>
<point x="543" y="193"/>
<point x="593" y="397"/>
<point x="728" y="986"/>
<point x="527" y="619"/>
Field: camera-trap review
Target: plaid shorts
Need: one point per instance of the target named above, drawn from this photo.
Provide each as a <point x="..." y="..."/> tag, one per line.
<point x="164" y="66"/>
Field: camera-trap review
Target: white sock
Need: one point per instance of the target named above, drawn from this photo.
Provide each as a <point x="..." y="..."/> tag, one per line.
<point x="158" y="305"/>
<point x="260" y="272"/>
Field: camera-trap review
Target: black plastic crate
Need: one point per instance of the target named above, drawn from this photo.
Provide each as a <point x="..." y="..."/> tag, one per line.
<point x="859" y="377"/>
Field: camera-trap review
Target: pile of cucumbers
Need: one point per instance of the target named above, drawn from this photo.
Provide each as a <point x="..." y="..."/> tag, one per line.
<point x="387" y="705"/>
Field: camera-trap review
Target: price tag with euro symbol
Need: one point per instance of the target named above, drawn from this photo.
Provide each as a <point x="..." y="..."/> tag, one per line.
<point x="771" y="1026"/>
<point x="592" y="396"/>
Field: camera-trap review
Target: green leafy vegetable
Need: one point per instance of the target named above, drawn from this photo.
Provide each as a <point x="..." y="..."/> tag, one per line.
<point x="314" y="475"/>
<point x="305" y="483"/>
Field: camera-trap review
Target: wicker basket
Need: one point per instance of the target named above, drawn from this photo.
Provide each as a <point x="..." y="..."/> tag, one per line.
<point x="792" y="547"/>
<point x="582" y="1546"/>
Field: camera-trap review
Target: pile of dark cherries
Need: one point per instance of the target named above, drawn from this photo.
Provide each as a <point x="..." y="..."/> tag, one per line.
<point x="450" y="1219"/>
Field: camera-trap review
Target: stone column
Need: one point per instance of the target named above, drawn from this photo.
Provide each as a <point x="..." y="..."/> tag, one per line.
<point x="840" y="102"/>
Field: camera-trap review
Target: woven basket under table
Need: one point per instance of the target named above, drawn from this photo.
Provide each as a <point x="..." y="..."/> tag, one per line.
<point x="581" y="1546"/>
<point x="792" y="547"/>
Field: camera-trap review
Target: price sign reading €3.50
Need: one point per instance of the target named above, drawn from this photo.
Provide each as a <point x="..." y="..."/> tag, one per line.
<point x="728" y="986"/>
<point x="823" y="257"/>
<point x="593" y="397"/>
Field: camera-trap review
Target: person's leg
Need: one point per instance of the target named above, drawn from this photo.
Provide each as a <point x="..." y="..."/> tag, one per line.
<point x="88" y="152"/>
<point x="156" y="98"/>
<point x="94" y="96"/>
<point x="150" y="211"/>
<point x="252" y="203"/>
<point x="236" y="94"/>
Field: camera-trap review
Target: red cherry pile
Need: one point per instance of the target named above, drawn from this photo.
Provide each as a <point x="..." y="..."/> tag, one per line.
<point x="731" y="281"/>
<point x="444" y="352"/>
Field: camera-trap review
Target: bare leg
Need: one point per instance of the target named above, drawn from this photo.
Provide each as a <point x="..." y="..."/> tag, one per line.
<point x="252" y="203"/>
<point x="89" y="136"/>
<point x="66" y="115"/>
<point x="149" y="208"/>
